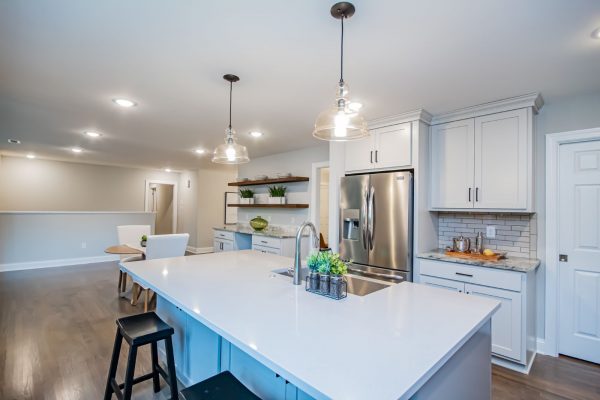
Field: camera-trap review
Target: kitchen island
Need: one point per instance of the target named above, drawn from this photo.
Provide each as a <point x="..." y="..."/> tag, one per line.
<point x="231" y="311"/>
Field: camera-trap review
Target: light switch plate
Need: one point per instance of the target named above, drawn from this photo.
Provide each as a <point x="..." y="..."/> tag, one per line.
<point x="490" y="232"/>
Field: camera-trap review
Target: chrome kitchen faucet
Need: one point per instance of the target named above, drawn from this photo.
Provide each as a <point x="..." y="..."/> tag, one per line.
<point x="298" y="255"/>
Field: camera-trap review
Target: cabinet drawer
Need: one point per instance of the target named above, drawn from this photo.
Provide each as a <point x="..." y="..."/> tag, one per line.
<point x="224" y="235"/>
<point x="471" y="274"/>
<point x="266" y="241"/>
<point x="264" y="249"/>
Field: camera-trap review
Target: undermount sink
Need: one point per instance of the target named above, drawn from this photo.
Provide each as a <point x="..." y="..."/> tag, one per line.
<point x="356" y="285"/>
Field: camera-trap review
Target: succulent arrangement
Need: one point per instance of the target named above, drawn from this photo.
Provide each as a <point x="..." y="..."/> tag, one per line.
<point x="246" y="193"/>
<point x="277" y="191"/>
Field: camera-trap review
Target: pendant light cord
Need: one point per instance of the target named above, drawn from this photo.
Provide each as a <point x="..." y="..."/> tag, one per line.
<point x="230" y="96"/>
<point x="342" y="52"/>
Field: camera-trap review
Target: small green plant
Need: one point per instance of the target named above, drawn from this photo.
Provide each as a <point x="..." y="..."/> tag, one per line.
<point x="313" y="261"/>
<point x="337" y="266"/>
<point x="144" y="238"/>
<point x="277" y="191"/>
<point x="246" y="193"/>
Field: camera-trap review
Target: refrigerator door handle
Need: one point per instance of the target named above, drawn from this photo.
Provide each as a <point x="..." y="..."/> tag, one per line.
<point x="363" y="217"/>
<point x="371" y="222"/>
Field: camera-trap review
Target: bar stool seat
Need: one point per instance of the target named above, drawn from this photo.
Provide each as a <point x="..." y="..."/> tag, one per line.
<point x="223" y="386"/>
<point x="139" y="330"/>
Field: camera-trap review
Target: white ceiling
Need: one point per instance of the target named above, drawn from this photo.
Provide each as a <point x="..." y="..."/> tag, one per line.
<point x="61" y="63"/>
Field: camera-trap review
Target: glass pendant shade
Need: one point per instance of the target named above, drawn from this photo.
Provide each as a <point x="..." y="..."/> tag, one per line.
<point x="230" y="152"/>
<point x="340" y="123"/>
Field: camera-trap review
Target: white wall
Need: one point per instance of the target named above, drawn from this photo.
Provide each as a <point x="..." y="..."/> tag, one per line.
<point x="33" y="240"/>
<point x="298" y="163"/>
<point x="212" y="185"/>
<point x="557" y="115"/>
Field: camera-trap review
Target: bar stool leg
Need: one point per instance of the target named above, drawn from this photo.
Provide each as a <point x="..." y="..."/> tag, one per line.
<point x="171" y="368"/>
<point x="155" y="379"/>
<point x="114" y="361"/>
<point x="129" y="373"/>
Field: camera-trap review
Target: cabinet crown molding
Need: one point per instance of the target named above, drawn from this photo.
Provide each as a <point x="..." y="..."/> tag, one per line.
<point x="533" y="100"/>
<point x="409" y="116"/>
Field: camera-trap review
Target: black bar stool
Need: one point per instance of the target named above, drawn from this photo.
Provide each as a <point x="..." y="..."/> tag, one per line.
<point x="223" y="386"/>
<point x="139" y="330"/>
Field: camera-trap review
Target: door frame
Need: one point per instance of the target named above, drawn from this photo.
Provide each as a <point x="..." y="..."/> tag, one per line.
<point x="553" y="142"/>
<point x="175" y="203"/>
<point x="315" y="193"/>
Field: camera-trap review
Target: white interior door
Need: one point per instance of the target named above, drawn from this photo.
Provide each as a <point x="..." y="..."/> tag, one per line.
<point x="452" y="164"/>
<point x="579" y="242"/>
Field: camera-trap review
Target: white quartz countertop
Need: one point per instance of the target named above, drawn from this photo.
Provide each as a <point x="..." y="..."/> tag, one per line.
<point x="385" y="345"/>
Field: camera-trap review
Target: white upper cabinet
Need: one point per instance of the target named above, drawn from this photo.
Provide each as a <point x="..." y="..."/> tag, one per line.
<point x="386" y="148"/>
<point x="452" y="158"/>
<point x="486" y="161"/>
<point x="502" y="152"/>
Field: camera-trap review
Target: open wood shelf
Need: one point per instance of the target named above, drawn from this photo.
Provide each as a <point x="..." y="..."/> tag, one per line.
<point x="289" y="179"/>
<point x="269" y="205"/>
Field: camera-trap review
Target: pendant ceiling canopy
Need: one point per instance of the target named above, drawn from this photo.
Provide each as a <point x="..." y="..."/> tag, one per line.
<point x="342" y="121"/>
<point x="230" y="152"/>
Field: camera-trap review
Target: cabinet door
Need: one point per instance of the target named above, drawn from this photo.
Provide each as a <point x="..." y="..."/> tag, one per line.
<point x="501" y="160"/>
<point x="217" y="243"/>
<point x="201" y="351"/>
<point x="176" y="318"/>
<point x="393" y="146"/>
<point x="452" y="161"/>
<point x="360" y="154"/>
<point x="506" y="322"/>
<point x="264" y="249"/>
<point x="263" y="382"/>
<point x="227" y="245"/>
<point x="443" y="283"/>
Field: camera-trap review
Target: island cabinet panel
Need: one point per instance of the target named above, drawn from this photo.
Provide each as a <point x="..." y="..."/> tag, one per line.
<point x="443" y="283"/>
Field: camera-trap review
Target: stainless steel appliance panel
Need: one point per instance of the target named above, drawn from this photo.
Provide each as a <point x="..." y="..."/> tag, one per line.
<point x="353" y="218"/>
<point x="390" y="221"/>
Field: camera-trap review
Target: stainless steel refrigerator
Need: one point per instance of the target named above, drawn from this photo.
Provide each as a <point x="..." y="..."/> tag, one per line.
<point x="376" y="224"/>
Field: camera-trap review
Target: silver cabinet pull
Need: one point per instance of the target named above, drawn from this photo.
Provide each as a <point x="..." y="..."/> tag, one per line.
<point x="371" y="156"/>
<point x="263" y="241"/>
<point x="461" y="274"/>
<point x="469" y="195"/>
<point x="376" y="154"/>
<point x="476" y="194"/>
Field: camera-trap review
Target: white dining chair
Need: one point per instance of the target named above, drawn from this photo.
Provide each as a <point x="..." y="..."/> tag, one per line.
<point x="130" y="234"/>
<point x="160" y="246"/>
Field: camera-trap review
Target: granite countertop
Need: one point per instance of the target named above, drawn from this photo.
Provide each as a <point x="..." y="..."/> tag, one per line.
<point x="518" y="264"/>
<point x="270" y="231"/>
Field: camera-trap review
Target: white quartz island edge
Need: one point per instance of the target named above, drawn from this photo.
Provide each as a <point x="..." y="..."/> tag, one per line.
<point x="385" y="345"/>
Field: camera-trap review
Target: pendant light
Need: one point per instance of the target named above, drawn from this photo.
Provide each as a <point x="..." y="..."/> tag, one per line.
<point x="230" y="152"/>
<point x="341" y="122"/>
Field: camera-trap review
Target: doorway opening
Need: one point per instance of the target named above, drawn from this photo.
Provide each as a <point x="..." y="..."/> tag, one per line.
<point x="161" y="199"/>
<point x="320" y="201"/>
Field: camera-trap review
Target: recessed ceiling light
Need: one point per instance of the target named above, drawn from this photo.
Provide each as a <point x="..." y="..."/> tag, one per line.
<point x="92" y="134"/>
<point x="76" y="150"/>
<point x="255" y="133"/>
<point x="30" y="156"/>
<point x="167" y="169"/>
<point x="355" y="106"/>
<point x="125" y="103"/>
<point x="596" y="33"/>
<point x="14" y="141"/>
<point x="200" y="151"/>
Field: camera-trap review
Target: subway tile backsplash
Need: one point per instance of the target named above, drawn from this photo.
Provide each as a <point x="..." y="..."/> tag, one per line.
<point x="515" y="233"/>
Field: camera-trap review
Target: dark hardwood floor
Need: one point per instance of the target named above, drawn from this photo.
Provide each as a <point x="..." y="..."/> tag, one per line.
<point x="57" y="327"/>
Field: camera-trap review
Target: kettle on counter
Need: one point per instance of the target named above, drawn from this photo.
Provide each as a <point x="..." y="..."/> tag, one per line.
<point x="461" y="244"/>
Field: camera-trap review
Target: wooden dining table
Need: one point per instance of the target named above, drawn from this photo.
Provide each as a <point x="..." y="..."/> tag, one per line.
<point x="124" y="249"/>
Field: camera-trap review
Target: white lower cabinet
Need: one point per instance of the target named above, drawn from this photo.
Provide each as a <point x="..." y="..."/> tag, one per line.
<point x="280" y="246"/>
<point x="229" y="241"/>
<point x="513" y="328"/>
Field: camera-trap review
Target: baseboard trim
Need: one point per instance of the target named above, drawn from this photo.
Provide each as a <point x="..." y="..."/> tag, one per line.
<point x="524" y="369"/>
<point x="57" y="263"/>
<point x="199" y="250"/>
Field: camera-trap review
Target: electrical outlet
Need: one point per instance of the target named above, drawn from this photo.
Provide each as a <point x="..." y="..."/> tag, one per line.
<point x="83" y="245"/>
<point x="490" y="232"/>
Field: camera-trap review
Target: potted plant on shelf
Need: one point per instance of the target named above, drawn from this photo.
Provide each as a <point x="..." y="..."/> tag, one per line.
<point x="277" y="194"/>
<point x="246" y="196"/>
<point x="338" y="268"/>
<point x="313" y="271"/>
<point x="143" y="240"/>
